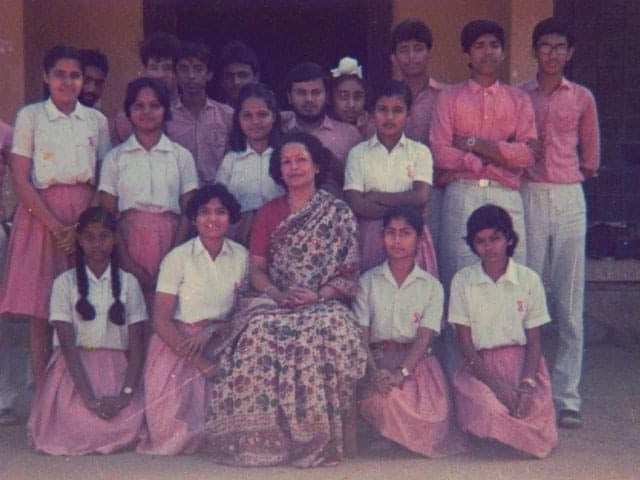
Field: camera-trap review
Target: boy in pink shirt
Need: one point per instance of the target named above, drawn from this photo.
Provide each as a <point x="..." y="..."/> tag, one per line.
<point x="480" y="132"/>
<point x="554" y="206"/>
<point x="411" y="43"/>
<point x="156" y="54"/>
<point x="198" y="123"/>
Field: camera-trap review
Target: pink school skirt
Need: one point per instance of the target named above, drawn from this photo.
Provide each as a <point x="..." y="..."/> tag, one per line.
<point x="60" y="424"/>
<point x="372" y="248"/>
<point x="176" y="396"/>
<point x="149" y="237"/>
<point x="33" y="259"/>
<point x="482" y="414"/>
<point x="419" y="415"/>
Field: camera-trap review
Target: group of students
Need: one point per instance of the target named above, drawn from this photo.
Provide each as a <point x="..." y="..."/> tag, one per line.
<point x="99" y="244"/>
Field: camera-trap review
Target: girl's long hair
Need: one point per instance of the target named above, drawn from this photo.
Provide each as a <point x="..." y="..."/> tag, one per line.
<point x="83" y="306"/>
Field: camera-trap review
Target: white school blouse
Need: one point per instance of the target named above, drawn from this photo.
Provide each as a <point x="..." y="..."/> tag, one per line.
<point x="246" y="175"/>
<point x="498" y="312"/>
<point x="206" y="289"/>
<point x="63" y="148"/>
<point x="395" y="312"/>
<point x="99" y="332"/>
<point x="150" y="181"/>
<point x="370" y="167"/>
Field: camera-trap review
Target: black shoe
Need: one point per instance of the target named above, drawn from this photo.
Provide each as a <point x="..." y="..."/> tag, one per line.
<point x="569" y="419"/>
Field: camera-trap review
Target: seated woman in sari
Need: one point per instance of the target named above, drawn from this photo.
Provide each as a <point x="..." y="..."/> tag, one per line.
<point x="286" y="393"/>
<point x="502" y="391"/>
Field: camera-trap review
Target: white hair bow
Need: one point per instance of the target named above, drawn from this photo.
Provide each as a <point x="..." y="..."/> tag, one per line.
<point x="347" y="66"/>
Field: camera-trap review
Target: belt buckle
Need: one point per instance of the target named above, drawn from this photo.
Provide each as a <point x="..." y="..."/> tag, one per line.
<point x="484" y="182"/>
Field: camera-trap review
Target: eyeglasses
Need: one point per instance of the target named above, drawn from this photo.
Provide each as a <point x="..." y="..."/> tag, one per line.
<point x="560" y="49"/>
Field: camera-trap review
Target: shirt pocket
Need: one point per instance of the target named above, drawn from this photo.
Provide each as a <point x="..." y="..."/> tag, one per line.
<point x="408" y="321"/>
<point x="505" y="121"/>
<point x="245" y="177"/>
<point x="167" y="178"/>
<point x="133" y="178"/>
<point x="86" y="148"/>
<point x="565" y="120"/>
<point x="407" y="173"/>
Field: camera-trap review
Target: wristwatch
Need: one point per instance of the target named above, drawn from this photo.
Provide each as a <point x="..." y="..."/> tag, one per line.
<point x="471" y="141"/>
<point x="127" y="391"/>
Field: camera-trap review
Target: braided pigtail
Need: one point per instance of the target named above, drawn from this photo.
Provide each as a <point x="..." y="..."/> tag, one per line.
<point x="83" y="306"/>
<point x="116" y="311"/>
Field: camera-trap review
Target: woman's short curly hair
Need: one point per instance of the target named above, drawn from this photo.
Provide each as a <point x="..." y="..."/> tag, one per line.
<point x="320" y="156"/>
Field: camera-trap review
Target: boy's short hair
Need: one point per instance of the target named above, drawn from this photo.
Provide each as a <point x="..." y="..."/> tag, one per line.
<point x="238" y="52"/>
<point x="94" y="58"/>
<point x="159" y="45"/>
<point x="194" y="50"/>
<point x="305" y="72"/>
<point x="411" y="29"/>
<point x="475" y="29"/>
<point x="558" y="25"/>
<point x="393" y="88"/>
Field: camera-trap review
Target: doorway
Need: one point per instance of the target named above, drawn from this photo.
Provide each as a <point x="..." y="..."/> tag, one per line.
<point x="284" y="32"/>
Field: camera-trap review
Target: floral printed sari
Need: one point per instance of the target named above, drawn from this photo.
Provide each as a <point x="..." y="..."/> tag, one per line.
<point x="289" y="376"/>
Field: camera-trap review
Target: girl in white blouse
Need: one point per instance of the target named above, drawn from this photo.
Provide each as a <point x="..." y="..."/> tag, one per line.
<point x="197" y="289"/>
<point x="57" y="144"/>
<point x="502" y="390"/>
<point x="399" y="308"/>
<point x="245" y="169"/>
<point x="90" y="401"/>
<point x="148" y="179"/>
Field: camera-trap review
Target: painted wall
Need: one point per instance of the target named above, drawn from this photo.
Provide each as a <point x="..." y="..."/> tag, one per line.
<point x="11" y="60"/>
<point x="446" y="18"/>
<point x="113" y="26"/>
